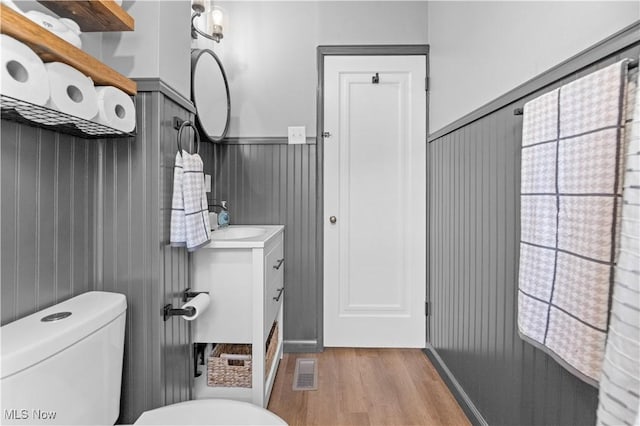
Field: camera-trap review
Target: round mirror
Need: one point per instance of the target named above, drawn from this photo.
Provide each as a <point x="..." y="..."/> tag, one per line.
<point x="210" y="94"/>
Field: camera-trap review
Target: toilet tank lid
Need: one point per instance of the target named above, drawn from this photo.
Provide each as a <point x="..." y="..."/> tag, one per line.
<point x="29" y="340"/>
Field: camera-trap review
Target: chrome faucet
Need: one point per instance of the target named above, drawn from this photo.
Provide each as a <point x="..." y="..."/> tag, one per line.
<point x="222" y="205"/>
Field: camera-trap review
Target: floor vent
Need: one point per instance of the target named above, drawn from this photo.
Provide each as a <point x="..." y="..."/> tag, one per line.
<point x="306" y="375"/>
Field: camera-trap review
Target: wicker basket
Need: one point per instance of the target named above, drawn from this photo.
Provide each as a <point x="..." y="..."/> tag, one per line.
<point x="229" y="366"/>
<point x="272" y="345"/>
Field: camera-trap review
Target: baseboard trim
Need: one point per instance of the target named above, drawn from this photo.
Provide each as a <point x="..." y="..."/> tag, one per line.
<point x="301" y="346"/>
<point x="467" y="405"/>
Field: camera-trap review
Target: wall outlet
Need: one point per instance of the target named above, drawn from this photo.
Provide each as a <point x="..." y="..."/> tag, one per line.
<point x="207" y="183"/>
<point x="297" y="134"/>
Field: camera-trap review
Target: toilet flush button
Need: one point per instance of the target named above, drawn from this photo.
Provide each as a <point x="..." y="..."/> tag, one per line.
<point x="56" y="317"/>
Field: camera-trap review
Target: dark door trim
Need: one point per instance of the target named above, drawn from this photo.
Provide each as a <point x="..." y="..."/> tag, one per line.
<point x="352" y="50"/>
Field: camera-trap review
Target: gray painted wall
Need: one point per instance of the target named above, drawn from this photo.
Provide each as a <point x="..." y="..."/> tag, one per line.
<point x="482" y="49"/>
<point x="159" y="46"/>
<point x="474" y="221"/>
<point x="47" y="246"/>
<point x="269" y="53"/>
<point x="276" y="184"/>
<point x="80" y="215"/>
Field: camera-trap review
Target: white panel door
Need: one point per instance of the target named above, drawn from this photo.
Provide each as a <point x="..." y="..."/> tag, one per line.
<point x="374" y="201"/>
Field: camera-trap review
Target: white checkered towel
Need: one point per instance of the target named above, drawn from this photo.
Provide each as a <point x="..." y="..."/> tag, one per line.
<point x="189" y="208"/>
<point x="570" y="196"/>
<point x="620" y="383"/>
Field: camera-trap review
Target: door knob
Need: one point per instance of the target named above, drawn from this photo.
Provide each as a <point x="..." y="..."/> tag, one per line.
<point x="333" y="219"/>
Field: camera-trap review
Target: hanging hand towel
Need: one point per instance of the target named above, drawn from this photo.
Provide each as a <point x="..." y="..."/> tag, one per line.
<point x="570" y="194"/>
<point x="620" y="383"/>
<point x="189" y="208"/>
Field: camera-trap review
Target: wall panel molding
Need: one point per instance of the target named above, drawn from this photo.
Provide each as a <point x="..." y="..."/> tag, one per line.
<point x="138" y="262"/>
<point x="273" y="184"/>
<point x="474" y="224"/>
<point x="156" y="84"/>
<point x="46" y="237"/>
<point x="265" y="140"/>
<point x="80" y="215"/>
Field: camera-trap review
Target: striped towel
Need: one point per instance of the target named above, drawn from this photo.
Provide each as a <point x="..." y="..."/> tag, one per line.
<point x="620" y="383"/>
<point x="570" y="196"/>
<point x="189" y="208"/>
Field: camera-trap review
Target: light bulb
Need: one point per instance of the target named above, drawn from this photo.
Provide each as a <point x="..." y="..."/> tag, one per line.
<point x="217" y="17"/>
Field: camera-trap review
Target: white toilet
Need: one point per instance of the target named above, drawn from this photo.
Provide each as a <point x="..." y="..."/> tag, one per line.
<point x="63" y="366"/>
<point x="210" y="412"/>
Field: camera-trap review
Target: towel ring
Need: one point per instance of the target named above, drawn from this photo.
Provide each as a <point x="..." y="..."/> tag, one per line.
<point x="184" y="124"/>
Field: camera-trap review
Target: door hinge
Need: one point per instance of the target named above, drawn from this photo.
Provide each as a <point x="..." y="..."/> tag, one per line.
<point x="326" y="134"/>
<point x="426" y="309"/>
<point x="426" y="84"/>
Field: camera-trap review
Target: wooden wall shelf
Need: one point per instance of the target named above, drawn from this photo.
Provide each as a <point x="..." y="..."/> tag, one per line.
<point x="52" y="48"/>
<point x="92" y="15"/>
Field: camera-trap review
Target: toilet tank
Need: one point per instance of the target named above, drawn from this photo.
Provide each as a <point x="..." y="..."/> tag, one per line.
<point x="63" y="365"/>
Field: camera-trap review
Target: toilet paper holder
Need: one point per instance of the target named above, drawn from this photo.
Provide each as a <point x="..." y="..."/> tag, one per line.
<point x="169" y="311"/>
<point x="188" y="294"/>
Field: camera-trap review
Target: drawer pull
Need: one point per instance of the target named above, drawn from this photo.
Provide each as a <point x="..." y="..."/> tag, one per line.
<point x="280" y="291"/>
<point x="280" y="262"/>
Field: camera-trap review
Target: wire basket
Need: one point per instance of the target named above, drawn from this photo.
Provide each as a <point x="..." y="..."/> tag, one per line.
<point x="35" y="115"/>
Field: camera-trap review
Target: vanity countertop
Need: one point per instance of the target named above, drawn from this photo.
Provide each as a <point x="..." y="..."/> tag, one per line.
<point x="243" y="236"/>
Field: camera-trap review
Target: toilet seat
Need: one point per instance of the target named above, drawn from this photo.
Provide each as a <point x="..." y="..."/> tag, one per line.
<point x="209" y="412"/>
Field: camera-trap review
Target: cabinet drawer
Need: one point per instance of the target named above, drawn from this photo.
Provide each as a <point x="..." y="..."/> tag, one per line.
<point x="274" y="262"/>
<point x="274" y="284"/>
<point x="273" y="297"/>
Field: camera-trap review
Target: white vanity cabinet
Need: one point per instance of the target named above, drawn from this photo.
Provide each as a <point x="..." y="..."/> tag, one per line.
<point x="245" y="281"/>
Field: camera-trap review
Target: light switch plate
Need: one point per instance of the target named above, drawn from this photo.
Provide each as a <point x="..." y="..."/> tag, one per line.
<point x="207" y="183"/>
<point x="297" y="135"/>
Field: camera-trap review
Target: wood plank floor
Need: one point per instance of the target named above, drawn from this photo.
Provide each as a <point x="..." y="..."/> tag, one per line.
<point x="366" y="387"/>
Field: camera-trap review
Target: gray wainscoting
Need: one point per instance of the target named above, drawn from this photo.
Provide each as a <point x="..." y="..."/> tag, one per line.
<point x="474" y="187"/>
<point x="136" y="259"/>
<point x="47" y="184"/>
<point x="80" y="215"/>
<point x="276" y="184"/>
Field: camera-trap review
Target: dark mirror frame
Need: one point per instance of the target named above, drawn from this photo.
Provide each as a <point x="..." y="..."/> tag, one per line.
<point x="195" y="56"/>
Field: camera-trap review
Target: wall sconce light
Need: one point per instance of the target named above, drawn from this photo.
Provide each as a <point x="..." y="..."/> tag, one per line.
<point x="213" y="17"/>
